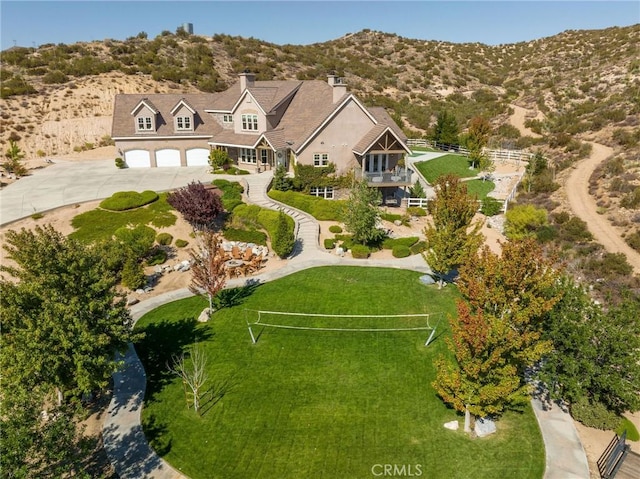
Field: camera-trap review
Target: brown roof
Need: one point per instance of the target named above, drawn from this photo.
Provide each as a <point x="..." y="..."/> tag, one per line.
<point x="230" y="138"/>
<point x="381" y="116"/>
<point x="268" y="94"/>
<point x="124" y="126"/>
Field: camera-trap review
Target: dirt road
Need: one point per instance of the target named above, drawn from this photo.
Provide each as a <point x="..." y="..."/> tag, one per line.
<point x="584" y="206"/>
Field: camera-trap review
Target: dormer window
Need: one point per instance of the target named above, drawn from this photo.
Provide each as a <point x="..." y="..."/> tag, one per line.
<point x="250" y="122"/>
<point x="227" y="118"/>
<point x="145" y="123"/>
<point x="183" y="123"/>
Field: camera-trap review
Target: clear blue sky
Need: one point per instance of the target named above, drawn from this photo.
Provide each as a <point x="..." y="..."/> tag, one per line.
<point x="32" y="23"/>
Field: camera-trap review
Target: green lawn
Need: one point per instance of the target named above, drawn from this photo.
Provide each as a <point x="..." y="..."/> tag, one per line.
<point x="100" y="224"/>
<point x="480" y="188"/>
<point x="456" y="164"/>
<point x="311" y="404"/>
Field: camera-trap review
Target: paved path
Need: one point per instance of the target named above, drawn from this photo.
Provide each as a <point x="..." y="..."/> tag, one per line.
<point x="124" y="441"/>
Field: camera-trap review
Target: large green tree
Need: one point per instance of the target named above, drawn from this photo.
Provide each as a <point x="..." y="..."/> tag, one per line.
<point x="476" y="140"/>
<point x="63" y="320"/>
<point x="596" y="352"/>
<point x="499" y="329"/>
<point x="451" y="234"/>
<point x="446" y="129"/>
<point x="362" y="216"/>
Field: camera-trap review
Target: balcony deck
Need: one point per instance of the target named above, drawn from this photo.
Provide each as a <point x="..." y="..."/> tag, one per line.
<point x="389" y="179"/>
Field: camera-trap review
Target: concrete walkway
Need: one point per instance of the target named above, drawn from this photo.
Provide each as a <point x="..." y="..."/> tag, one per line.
<point x="124" y="441"/>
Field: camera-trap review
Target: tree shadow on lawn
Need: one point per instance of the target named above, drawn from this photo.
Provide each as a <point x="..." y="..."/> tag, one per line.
<point x="228" y="298"/>
<point x="162" y="341"/>
<point x="217" y="391"/>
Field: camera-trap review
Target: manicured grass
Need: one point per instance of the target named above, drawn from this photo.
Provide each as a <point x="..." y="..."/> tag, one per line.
<point x="456" y="164"/>
<point x="480" y="188"/>
<point x="319" y="404"/>
<point x="100" y="224"/>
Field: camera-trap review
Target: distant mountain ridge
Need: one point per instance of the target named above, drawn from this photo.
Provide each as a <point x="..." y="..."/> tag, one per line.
<point x="585" y="83"/>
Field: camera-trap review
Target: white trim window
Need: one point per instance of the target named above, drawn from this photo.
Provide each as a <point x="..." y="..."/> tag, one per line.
<point x="250" y="122"/>
<point x="183" y="123"/>
<point x="320" y="159"/>
<point x="227" y="118"/>
<point x="248" y="155"/>
<point x="325" y="192"/>
<point x="144" y="123"/>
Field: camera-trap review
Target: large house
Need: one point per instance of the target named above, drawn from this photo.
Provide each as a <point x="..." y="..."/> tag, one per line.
<point x="262" y="124"/>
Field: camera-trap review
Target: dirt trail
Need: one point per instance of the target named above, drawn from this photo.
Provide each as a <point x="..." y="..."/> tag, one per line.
<point x="518" y="118"/>
<point x="584" y="206"/>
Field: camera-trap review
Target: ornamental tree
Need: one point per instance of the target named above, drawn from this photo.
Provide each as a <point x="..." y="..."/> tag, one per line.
<point x="499" y="329"/>
<point x="63" y="320"/>
<point x="198" y="206"/>
<point x="451" y="235"/>
<point x="362" y="216"/>
<point x="208" y="271"/>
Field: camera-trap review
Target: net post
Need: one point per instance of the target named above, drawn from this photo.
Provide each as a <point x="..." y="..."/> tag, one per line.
<point x="253" y="338"/>
<point x="433" y="332"/>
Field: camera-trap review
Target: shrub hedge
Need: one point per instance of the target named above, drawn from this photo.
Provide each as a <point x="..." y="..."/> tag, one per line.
<point x="247" y="236"/>
<point x="335" y="229"/>
<point x="164" y="239"/>
<point x="128" y="200"/>
<point x="360" y="251"/>
<point x="180" y="243"/>
<point x="594" y="415"/>
<point x="401" y="251"/>
<point x="319" y="208"/>
<point x="390" y="243"/>
<point x="329" y="243"/>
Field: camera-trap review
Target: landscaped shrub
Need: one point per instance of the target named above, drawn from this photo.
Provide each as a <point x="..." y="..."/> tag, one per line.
<point x="164" y="239"/>
<point x="416" y="211"/>
<point x="419" y="247"/>
<point x="594" y="415"/>
<point x="231" y="193"/>
<point x="335" y="229"/>
<point x="132" y="275"/>
<point x="390" y="243"/>
<point x="401" y="251"/>
<point x="491" y="206"/>
<point x="283" y="239"/>
<point x="137" y="240"/>
<point x="246" y="236"/>
<point x="127" y="200"/>
<point x="329" y="243"/>
<point x="319" y="208"/>
<point x="180" y="243"/>
<point x="360" y="251"/>
<point x="156" y="256"/>
<point x="390" y="217"/>
<point x="524" y="220"/>
<point x="120" y="163"/>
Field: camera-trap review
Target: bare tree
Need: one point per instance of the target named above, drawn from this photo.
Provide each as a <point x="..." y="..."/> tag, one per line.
<point x="192" y="369"/>
<point x="208" y="271"/>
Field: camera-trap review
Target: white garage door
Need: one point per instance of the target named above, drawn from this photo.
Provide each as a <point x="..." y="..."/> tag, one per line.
<point x="137" y="158"/>
<point x="167" y="157"/>
<point x="198" y="157"/>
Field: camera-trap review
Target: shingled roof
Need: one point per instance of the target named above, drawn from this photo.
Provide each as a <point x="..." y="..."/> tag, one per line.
<point x="163" y="103"/>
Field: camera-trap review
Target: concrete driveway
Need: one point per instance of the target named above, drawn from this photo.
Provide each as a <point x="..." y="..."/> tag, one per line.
<point x="72" y="182"/>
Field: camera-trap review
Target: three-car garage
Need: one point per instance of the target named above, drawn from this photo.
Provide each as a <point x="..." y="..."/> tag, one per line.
<point x="166" y="157"/>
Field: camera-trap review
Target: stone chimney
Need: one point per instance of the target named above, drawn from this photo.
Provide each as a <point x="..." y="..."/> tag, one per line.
<point x="338" y="85"/>
<point x="247" y="80"/>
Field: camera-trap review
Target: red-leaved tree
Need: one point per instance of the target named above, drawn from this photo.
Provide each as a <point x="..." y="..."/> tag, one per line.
<point x="197" y="205"/>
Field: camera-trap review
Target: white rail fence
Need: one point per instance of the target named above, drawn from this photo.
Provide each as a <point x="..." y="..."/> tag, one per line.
<point x="509" y="155"/>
